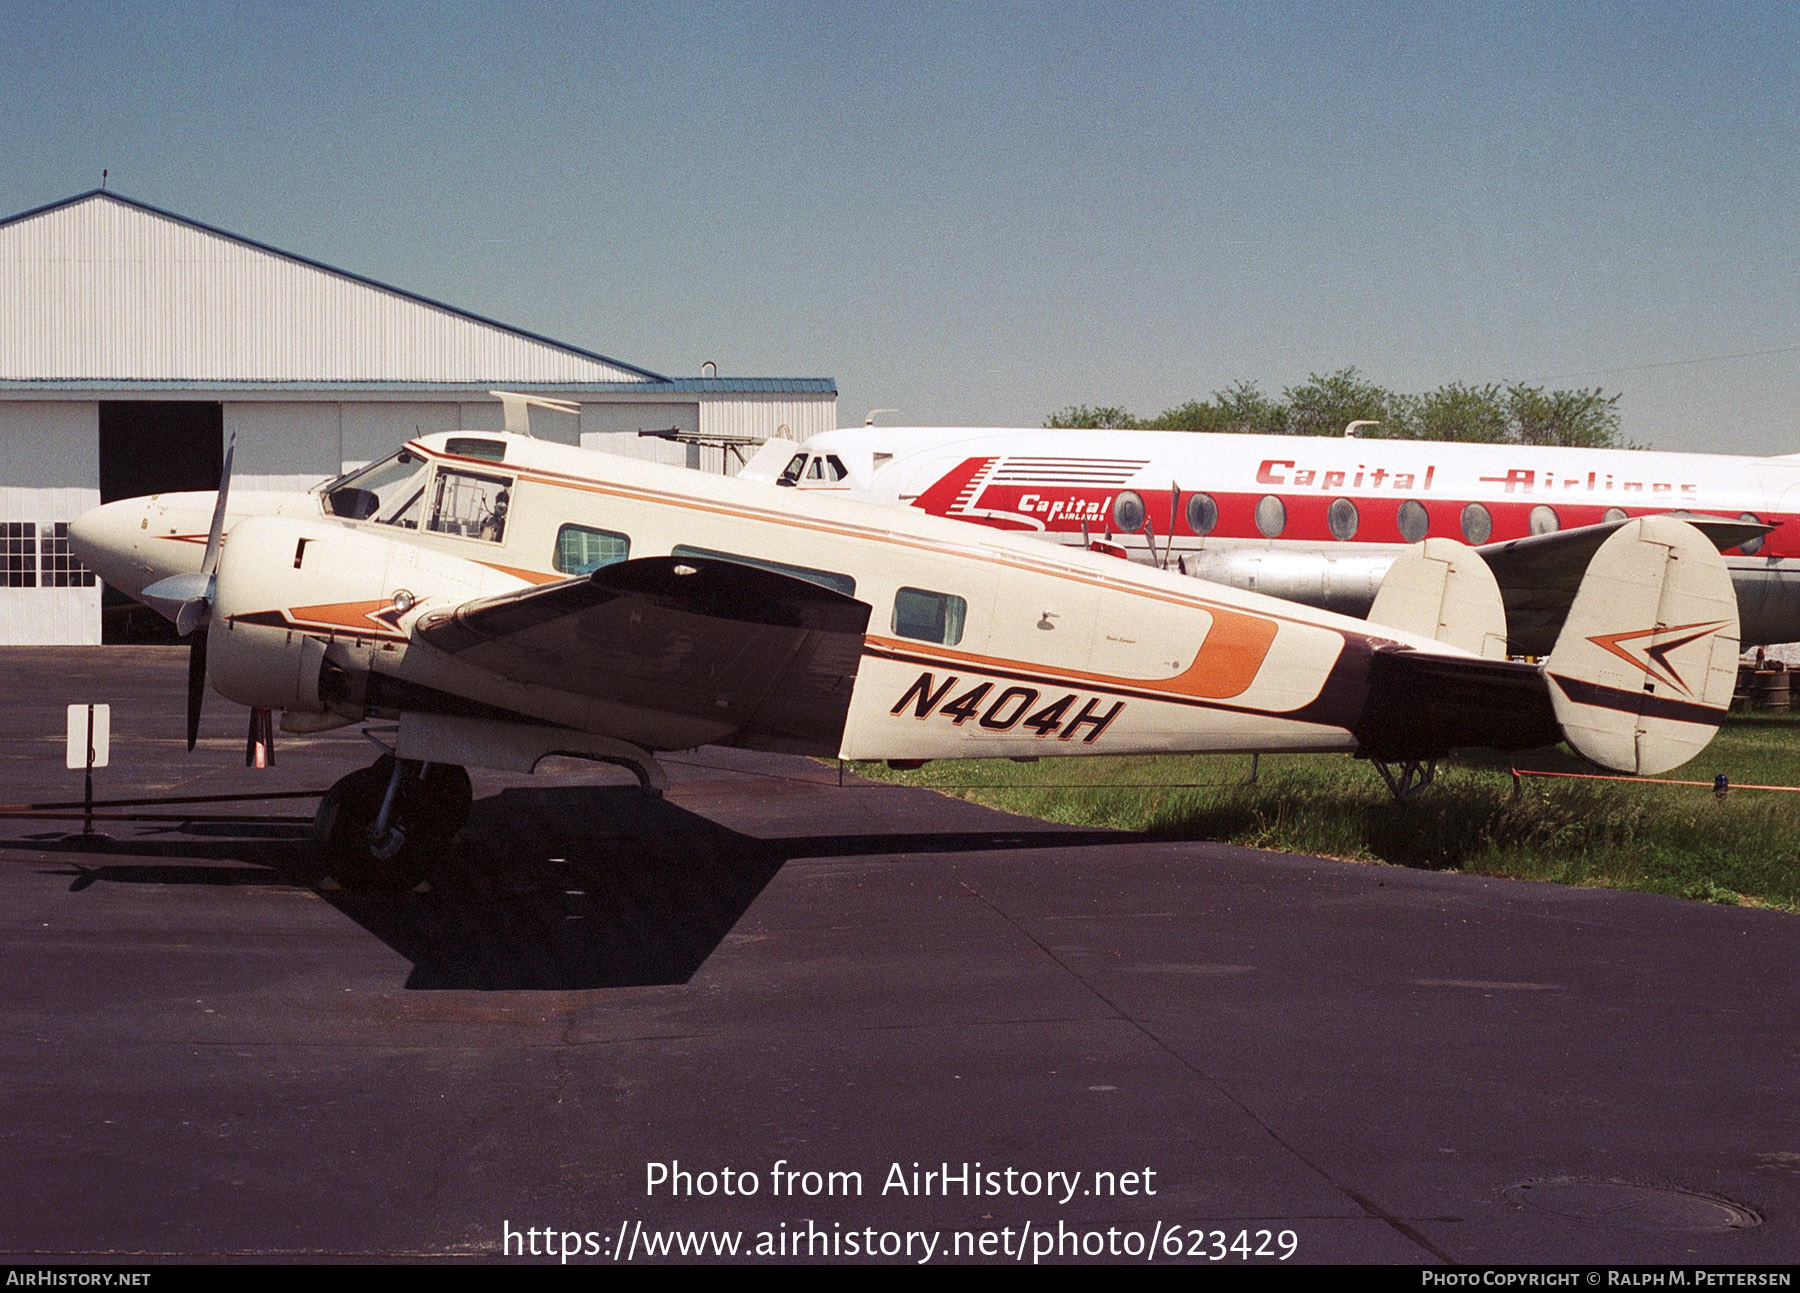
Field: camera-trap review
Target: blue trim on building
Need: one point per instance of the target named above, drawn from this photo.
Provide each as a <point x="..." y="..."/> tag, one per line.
<point x="662" y="386"/>
<point x="332" y="269"/>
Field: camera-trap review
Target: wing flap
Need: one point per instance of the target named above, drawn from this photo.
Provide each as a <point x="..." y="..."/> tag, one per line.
<point x="767" y="659"/>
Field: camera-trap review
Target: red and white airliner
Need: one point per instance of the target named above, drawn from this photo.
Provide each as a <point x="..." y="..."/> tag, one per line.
<point x="1319" y="520"/>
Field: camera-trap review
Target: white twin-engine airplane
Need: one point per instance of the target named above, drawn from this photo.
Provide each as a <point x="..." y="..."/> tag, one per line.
<point x="1319" y="520"/>
<point x="499" y="599"/>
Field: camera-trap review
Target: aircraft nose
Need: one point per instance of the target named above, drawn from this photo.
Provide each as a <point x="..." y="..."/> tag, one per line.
<point x="105" y="539"/>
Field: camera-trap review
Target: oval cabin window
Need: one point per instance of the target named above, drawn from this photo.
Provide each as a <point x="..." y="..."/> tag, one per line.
<point x="1342" y="518"/>
<point x="1271" y="516"/>
<point x="1544" y="519"/>
<point x="1414" y="521"/>
<point x="1128" y="513"/>
<point x="1750" y="547"/>
<point x="1202" y="514"/>
<point x="1477" y="524"/>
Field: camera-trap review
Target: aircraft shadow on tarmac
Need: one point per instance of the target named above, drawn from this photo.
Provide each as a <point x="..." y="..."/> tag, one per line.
<point x="555" y="888"/>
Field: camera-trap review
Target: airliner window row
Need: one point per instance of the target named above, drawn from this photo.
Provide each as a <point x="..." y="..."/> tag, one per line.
<point x="1343" y="518"/>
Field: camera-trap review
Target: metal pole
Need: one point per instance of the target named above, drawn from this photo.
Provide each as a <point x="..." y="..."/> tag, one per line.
<point x="87" y="824"/>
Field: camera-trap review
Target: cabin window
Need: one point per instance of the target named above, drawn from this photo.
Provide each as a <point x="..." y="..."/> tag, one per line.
<point x="469" y="504"/>
<point x="581" y="551"/>
<point x="1128" y="513"/>
<point x="1613" y="514"/>
<point x="790" y="474"/>
<point x="487" y="450"/>
<point x="1202" y="514"/>
<point x="1342" y="518"/>
<point x="1749" y="547"/>
<point x="929" y="617"/>
<point x="1544" y="519"/>
<point x="824" y="578"/>
<point x="1477" y="524"/>
<point x="1271" y="516"/>
<point x="1413" y="519"/>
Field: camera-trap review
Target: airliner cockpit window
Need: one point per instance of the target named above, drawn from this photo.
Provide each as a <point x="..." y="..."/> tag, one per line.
<point x="387" y="491"/>
<point x="471" y="505"/>
<point x="790" y="474"/>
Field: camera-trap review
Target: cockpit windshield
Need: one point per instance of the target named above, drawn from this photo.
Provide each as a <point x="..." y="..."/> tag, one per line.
<point x="387" y="491"/>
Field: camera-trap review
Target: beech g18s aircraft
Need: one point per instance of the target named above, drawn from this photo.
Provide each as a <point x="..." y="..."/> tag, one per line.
<point x="491" y="600"/>
<point x="1318" y="520"/>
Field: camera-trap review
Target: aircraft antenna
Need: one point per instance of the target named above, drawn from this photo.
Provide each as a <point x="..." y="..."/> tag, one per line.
<point x="870" y="420"/>
<point x="1350" y="429"/>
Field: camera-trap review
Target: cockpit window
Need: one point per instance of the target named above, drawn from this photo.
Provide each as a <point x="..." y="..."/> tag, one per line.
<point x="469" y="504"/>
<point x="791" y="473"/>
<point x="387" y="491"/>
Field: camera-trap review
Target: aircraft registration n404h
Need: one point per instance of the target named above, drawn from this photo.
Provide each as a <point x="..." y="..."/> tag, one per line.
<point x="1318" y="520"/>
<point x="490" y="600"/>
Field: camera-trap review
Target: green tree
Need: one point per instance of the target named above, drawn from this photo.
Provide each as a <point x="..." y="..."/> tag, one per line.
<point x="1325" y="405"/>
<point x="1456" y="412"/>
<point x="1239" y="407"/>
<point x="1585" y="419"/>
<point x="1081" y="417"/>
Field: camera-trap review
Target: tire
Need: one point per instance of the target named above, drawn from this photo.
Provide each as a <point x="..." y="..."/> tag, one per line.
<point x="341" y="834"/>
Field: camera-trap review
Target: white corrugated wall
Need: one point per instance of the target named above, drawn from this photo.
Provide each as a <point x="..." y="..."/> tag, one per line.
<point x="789" y="417"/>
<point x="49" y="472"/>
<point x="103" y="290"/>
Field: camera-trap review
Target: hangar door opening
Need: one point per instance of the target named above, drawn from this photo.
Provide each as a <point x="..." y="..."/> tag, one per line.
<point x="154" y="447"/>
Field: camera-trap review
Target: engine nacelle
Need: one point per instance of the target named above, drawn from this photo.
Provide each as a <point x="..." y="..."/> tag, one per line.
<point x="1345" y="583"/>
<point x="292" y="594"/>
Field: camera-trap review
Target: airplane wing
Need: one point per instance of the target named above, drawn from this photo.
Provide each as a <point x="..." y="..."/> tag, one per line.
<point x="1538" y="575"/>
<point x="763" y="656"/>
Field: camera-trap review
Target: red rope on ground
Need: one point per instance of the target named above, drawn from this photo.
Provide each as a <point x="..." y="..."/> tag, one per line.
<point x="1657" y="781"/>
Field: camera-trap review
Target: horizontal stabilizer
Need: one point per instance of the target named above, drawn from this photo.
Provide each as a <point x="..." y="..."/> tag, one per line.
<point x="1442" y="589"/>
<point x="1538" y="575"/>
<point x="1642" y="672"/>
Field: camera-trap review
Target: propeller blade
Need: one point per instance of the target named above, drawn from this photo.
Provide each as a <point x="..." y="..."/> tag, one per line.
<point x="196" y="688"/>
<point x="216" y="535"/>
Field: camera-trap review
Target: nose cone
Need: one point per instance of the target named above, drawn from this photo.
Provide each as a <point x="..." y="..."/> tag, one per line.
<point x="106" y="540"/>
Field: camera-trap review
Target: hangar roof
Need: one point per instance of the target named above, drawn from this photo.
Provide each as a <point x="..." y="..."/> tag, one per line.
<point x="102" y="288"/>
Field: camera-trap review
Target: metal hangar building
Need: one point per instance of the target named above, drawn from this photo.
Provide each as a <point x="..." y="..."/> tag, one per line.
<point x="133" y="341"/>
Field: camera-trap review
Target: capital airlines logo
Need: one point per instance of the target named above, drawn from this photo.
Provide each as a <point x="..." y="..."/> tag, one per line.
<point x="1649" y="649"/>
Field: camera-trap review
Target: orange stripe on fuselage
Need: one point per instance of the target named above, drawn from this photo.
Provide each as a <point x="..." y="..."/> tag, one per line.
<point x="1224" y="667"/>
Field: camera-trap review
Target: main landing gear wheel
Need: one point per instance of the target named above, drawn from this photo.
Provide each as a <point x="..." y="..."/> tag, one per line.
<point x="379" y="828"/>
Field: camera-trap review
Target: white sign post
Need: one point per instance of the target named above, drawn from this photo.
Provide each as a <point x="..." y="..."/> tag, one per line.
<point x="90" y="743"/>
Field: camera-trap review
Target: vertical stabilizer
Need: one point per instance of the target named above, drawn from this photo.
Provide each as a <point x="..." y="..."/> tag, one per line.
<point x="1442" y="589"/>
<point x="1642" y="672"/>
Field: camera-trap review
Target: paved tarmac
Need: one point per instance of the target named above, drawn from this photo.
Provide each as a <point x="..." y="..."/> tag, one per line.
<point x="204" y="1055"/>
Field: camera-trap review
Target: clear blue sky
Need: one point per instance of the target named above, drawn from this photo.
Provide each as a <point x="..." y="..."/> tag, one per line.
<point x="982" y="213"/>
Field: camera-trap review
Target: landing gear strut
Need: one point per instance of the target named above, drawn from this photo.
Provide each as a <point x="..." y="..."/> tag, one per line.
<point x="379" y="828"/>
<point x="1408" y="778"/>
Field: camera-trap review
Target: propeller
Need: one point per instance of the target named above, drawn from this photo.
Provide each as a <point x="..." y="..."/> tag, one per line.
<point x="190" y="599"/>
